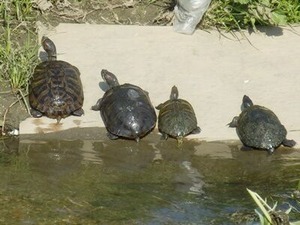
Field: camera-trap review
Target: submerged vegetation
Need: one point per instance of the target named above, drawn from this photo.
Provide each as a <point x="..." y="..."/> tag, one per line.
<point x="270" y="215"/>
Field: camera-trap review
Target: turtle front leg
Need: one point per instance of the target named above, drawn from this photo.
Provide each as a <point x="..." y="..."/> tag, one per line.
<point x="96" y="107"/>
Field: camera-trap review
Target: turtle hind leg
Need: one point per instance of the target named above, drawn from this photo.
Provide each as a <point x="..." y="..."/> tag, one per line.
<point x="246" y="148"/>
<point x="78" y="112"/>
<point x="164" y="136"/>
<point x="197" y="130"/>
<point x="289" y="143"/>
<point x="35" y="113"/>
<point x="111" y="136"/>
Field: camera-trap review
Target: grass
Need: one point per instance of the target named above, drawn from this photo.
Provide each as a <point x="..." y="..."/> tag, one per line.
<point x="18" y="49"/>
<point x="269" y="215"/>
<point x="243" y="14"/>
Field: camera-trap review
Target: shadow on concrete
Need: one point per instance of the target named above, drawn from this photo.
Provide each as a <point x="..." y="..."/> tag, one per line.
<point x="269" y="31"/>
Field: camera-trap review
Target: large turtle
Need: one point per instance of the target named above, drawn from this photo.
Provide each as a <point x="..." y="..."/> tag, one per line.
<point x="258" y="127"/>
<point x="55" y="90"/>
<point x="176" y="118"/>
<point x="126" y="109"/>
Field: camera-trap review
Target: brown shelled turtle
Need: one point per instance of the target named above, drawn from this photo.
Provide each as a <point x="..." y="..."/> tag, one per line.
<point x="55" y="89"/>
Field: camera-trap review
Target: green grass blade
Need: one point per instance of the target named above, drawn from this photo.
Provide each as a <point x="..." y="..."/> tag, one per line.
<point x="261" y="204"/>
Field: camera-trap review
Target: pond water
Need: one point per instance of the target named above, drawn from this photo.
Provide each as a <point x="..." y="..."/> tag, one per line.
<point x="82" y="180"/>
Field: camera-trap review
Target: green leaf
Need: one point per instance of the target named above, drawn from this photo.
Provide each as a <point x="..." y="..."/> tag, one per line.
<point x="243" y="2"/>
<point x="261" y="204"/>
<point x="279" y="19"/>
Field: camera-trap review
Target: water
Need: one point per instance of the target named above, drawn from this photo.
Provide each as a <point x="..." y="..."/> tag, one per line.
<point x="86" y="180"/>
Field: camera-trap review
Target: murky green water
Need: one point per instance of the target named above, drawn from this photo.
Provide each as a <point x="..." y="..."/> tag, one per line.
<point x="46" y="180"/>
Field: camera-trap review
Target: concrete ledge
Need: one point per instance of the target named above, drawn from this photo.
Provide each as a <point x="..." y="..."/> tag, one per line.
<point x="211" y="72"/>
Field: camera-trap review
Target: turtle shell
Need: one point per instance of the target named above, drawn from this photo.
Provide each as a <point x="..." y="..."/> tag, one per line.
<point x="176" y="118"/>
<point x="259" y="127"/>
<point x="127" y="112"/>
<point x="56" y="90"/>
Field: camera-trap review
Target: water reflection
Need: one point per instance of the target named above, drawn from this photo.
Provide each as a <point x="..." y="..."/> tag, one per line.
<point x="80" y="180"/>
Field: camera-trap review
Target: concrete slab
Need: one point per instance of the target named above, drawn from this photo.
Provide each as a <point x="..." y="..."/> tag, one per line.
<point x="211" y="72"/>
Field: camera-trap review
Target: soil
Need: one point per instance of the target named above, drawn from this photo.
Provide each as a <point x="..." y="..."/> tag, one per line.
<point x="127" y="12"/>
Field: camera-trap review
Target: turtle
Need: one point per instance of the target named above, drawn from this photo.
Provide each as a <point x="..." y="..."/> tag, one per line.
<point x="176" y="118"/>
<point x="258" y="127"/>
<point x="55" y="89"/>
<point x="126" y="109"/>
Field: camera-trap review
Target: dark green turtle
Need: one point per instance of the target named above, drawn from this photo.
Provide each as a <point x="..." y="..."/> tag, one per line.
<point x="126" y="109"/>
<point x="258" y="127"/>
<point x="55" y="89"/>
<point x="176" y="118"/>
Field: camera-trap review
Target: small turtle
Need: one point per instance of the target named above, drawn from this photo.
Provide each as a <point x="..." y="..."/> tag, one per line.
<point x="55" y="90"/>
<point x="126" y="109"/>
<point x="176" y="118"/>
<point x="258" y="127"/>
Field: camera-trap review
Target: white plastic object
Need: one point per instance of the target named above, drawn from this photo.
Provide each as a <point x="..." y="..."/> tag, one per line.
<point x="188" y="14"/>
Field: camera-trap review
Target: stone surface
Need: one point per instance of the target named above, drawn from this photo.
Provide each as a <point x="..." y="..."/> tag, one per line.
<point x="211" y="71"/>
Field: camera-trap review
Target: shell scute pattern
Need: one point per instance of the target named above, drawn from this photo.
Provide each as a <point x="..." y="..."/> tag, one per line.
<point x="126" y="110"/>
<point x="56" y="90"/>
<point x="258" y="127"/>
<point x="177" y="117"/>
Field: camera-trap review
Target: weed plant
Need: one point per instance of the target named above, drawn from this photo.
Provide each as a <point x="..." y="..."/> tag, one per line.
<point x="231" y="15"/>
<point x="269" y="215"/>
<point x="18" y="46"/>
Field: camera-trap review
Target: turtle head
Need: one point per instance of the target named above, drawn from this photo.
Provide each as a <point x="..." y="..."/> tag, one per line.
<point x="174" y="93"/>
<point x="109" y="78"/>
<point x="234" y="122"/>
<point x="49" y="47"/>
<point x="247" y="102"/>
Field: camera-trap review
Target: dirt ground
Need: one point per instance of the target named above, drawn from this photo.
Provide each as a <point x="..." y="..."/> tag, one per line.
<point x="137" y="12"/>
<point x="51" y="13"/>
